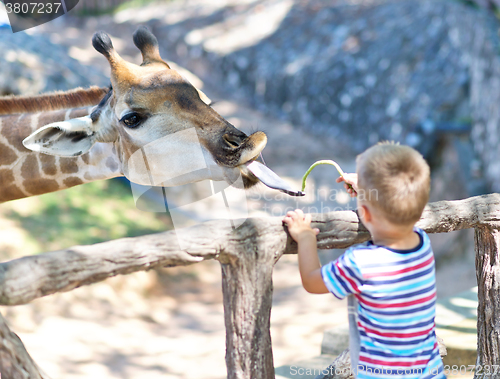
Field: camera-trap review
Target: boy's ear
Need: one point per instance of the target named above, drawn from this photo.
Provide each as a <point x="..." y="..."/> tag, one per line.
<point x="364" y="213"/>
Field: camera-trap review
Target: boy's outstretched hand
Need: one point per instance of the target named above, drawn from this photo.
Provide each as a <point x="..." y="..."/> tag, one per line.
<point x="350" y="183"/>
<point x="299" y="225"/>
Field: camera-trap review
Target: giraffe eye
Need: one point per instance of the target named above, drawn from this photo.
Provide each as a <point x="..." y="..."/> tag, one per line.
<point x="132" y="120"/>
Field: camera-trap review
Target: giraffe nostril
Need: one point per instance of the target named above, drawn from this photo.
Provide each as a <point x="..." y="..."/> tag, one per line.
<point x="232" y="140"/>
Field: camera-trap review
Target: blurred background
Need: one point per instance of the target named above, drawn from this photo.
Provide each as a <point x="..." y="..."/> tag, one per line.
<point x="324" y="80"/>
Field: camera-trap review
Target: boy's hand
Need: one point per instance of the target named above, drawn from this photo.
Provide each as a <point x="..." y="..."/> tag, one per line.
<point x="299" y="225"/>
<point x="350" y="183"/>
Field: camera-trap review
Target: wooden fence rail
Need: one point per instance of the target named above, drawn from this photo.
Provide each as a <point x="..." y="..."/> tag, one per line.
<point x="247" y="256"/>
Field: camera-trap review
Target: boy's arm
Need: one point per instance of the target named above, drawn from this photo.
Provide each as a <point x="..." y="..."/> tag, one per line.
<point x="309" y="264"/>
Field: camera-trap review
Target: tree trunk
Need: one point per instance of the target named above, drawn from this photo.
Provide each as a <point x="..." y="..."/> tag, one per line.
<point x="15" y="362"/>
<point x="487" y="243"/>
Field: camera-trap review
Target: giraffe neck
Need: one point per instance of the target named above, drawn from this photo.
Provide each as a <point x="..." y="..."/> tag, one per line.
<point x="78" y="97"/>
<point x="26" y="173"/>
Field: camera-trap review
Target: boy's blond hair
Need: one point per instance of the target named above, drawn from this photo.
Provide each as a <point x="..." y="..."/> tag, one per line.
<point x="400" y="178"/>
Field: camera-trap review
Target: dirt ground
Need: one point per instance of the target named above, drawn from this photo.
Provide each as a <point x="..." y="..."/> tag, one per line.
<point x="169" y="323"/>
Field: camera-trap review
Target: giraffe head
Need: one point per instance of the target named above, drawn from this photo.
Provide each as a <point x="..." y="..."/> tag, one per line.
<point x="162" y="128"/>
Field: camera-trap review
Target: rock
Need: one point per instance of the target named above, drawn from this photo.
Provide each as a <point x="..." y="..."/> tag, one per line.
<point x="31" y="64"/>
<point x="364" y="72"/>
<point x="354" y="71"/>
<point x="485" y="100"/>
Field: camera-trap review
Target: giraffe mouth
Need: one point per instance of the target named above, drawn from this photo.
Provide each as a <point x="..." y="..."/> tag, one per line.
<point x="270" y="179"/>
<point x="247" y="152"/>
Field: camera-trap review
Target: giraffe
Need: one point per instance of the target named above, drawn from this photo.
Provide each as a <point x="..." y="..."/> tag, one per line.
<point x="152" y="127"/>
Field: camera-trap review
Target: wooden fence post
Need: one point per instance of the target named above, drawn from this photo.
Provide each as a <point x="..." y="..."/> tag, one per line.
<point x="247" y="268"/>
<point x="487" y="244"/>
<point x="247" y="290"/>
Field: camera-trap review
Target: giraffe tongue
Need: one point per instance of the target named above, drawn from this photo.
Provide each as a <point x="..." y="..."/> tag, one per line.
<point x="270" y="179"/>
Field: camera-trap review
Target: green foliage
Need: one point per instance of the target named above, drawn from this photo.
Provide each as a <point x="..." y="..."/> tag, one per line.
<point x="86" y="214"/>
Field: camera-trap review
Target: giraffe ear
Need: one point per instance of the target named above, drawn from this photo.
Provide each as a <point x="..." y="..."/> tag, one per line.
<point x="65" y="138"/>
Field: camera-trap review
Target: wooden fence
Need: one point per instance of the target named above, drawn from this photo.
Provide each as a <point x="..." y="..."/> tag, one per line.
<point x="247" y="256"/>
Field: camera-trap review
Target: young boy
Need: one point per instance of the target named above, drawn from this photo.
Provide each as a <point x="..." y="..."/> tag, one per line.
<point x="391" y="277"/>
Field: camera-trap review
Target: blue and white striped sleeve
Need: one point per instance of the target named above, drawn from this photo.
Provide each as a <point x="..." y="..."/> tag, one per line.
<point x="342" y="276"/>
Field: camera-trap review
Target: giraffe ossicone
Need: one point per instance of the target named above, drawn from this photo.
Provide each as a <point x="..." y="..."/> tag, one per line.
<point x="153" y="127"/>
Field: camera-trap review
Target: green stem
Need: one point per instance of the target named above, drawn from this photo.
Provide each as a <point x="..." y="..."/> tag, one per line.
<point x="328" y="162"/>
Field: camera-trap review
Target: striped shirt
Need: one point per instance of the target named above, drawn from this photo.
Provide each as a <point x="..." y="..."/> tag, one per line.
<point x="395" y="309"/>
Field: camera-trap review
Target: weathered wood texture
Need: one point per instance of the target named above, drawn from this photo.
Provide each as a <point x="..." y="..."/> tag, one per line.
<point x="487" y="244"/>
<point x="15" y="362"/>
